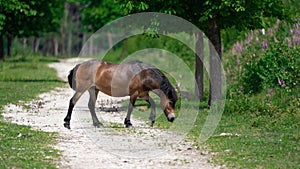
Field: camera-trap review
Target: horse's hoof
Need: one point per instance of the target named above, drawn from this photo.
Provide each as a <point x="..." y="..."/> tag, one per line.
<point x="67" y="125"/>
<point x="98" y="124"/>
<point x="129" y="125"/>
<point x="152" y="123"/>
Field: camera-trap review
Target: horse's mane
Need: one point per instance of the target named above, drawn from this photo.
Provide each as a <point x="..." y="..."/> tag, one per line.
<point x="166" y="86"/>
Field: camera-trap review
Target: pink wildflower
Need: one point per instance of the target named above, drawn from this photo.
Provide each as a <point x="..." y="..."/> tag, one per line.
<point x="264" y="45"/>
<point x="281" y="82"/>
<point x="296" y="40"/>
<point x="291" y="31"/>
<point x="288" y="40"/>
<point x="270" y="31"/>
<point x="238" y="47"/>
<point x="271" y="91"/>
<point x="262" y="31"/>
<point x="238" y="61"/>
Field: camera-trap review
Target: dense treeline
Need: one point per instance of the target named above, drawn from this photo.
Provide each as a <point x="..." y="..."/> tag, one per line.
<point x="60" y="28"/>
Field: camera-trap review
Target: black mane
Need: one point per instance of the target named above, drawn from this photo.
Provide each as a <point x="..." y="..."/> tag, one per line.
<point x="166" y="86"/>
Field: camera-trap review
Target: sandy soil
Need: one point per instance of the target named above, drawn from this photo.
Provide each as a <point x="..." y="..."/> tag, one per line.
<point x="112" y="146"/>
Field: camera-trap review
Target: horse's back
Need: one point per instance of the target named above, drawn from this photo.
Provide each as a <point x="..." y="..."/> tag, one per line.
<point x="116" y="80"/>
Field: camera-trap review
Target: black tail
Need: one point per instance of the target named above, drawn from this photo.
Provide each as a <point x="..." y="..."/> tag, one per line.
<point x="71" y="77"/>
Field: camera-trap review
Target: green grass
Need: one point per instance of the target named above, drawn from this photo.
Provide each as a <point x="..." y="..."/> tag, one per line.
<point x="22" y="79"/>
<point x="266" y="133"/>
<point x="22" y="147"/>
<point x="255" y="147"/>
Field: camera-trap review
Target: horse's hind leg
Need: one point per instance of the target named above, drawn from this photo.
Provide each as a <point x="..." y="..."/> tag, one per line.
<point x="72" y="103"/>
<point x="92" y="101"/>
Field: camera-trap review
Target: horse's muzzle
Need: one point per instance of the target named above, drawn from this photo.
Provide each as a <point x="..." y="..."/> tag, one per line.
<point x="171" y="117"/>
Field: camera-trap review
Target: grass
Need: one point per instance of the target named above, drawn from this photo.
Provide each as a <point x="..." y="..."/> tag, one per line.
<point x="264" y="135"/>
<point x="22" y="147"/>
<point x="22" y="79"/>
<point x="254" y="147"/>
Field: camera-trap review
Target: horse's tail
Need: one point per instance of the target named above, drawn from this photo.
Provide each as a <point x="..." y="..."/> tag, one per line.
<point x="72" y="77"/>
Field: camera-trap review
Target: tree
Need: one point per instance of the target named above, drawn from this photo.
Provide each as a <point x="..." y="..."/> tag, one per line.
<point x="211" y="17"/>
<point x="95" y="14"/>
<point x="27" y="18"/>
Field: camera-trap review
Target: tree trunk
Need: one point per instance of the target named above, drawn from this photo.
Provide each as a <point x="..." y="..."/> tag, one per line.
<point x="199" y="75"/>
<point x="24" y="42"/>
<point x="215" y="61"/>
<point x="63" y="44"/>
<point x="9" y="43"/>
<point x="64" y="29"/>
<point x="1" y="48"/>
<point x="69" y="48"/>
<point x="79" y="33"/>
<point x="37" y="44"/>
<point x="55" y="46"/>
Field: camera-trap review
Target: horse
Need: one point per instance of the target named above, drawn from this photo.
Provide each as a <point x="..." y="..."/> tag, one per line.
<point x="134" y="79"/>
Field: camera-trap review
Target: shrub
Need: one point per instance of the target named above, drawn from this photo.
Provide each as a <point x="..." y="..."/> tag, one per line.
<point x="277" y="67"/>
<point x="267" y="58"/>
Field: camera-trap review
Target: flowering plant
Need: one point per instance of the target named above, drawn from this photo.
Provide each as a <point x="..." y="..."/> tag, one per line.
<point x="268" y="59"/>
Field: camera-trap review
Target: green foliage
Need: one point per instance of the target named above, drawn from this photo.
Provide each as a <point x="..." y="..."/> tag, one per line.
<point x="19" y="51"/>
<point x="96" y="14"/>
<point x="241" y="14"/>
<point x="262" y="104"/>
<point x="279" y="67"/>
<point x="14" y="7"/>
<point x="268" y="58"/>
<point x="20" y="18"/>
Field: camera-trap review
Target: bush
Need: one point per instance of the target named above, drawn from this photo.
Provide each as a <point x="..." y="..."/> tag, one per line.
<point x="267" y="58"/>
<point x="277" y="67"/>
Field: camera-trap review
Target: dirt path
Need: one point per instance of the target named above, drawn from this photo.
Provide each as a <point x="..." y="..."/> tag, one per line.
<point x="110" y="147"/>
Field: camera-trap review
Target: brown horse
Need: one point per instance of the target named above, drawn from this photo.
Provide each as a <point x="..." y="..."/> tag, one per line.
<point x="134" y="79"/>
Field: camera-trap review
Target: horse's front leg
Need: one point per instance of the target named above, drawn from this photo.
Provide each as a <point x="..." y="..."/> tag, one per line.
<point x="130" y="108"/>
<point x="152" y="116"/>
<point x="153" y="112"/>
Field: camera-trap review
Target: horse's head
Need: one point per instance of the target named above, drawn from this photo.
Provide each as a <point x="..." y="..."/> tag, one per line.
<point x="168" y="104"/>
<point x="167" y="94"/>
